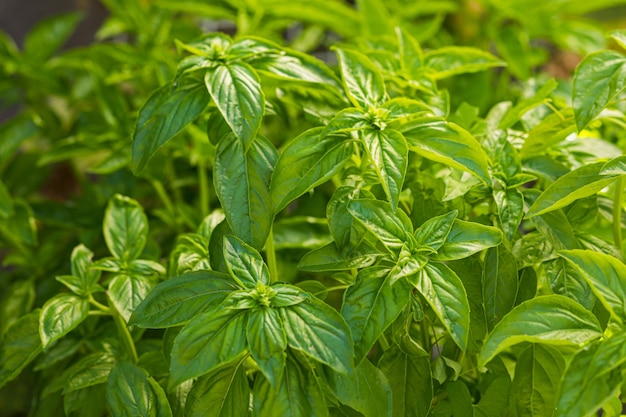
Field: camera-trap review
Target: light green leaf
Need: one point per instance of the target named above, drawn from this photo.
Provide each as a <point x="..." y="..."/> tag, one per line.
<point x="619" y="36"/>
<point x="389" y="151"/>
<point x="452" y="60"/>
<point x="599" y="79"/>
<point x="298" y="395"/>
<point x="370" y="305"/>
<point x="375" y="18"/>
<point x="537" y="378"/>
<point x="319" y="331"/>
<point x="125" y="228"/>
<point x="244" y="263"/>
<point x="347" y="120"/>
<point x="19" y="346"/>
<point x="363" y="81"/>
<point x="467" y="238"/>
<point x="132" y="392"/>
<point x="449" y="144"/>
<point x="393" y="230"/>
<point x="433" y="232"/>
<point x="81" y="268"/>
<point x="515" y="113"/>
<point x="548" y="319"/>
<point x="210" y="340"/>
<point x="179" y="299"/>
<point x="579" y="183"/>
<point x="444" y="291"/>
<point x="222" y="393"/>
<point x="127" y="292"/>
<point x="606" y="275"/>
<point x="306" y="162"/>
<point x="268" y="342"/>
<point x="242" y="181"/>
<point x="236" y="91"/>
<point x="411" y="55"/>
<point x="500" y="283"/>
<point x="60" y="315"/>
<point x="329" y="258"/>
<point x="167" y="111"/>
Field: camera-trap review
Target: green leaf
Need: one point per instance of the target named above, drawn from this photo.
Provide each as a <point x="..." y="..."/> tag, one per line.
<point x="19" y="346"/>
<point x="166" y="112"/>
<point x="433" y="232"/>
<point x="411" y="381"/>
<point x="244" y="263"/>
<point x="236" y="91"/>
<point x="14" y="132"/>
<point x="619" y="36"/>
<point x="306" y="162"/>
<point x="393" y="230"/>
<point x="6" y="203"/>
<point x="298" y="395"/>
<point x="125" y="228"/>
<point x="375" y="18"/>
<point x="411" y="55"/>
<point x="268" y="342"/>
<point x="548" y="319"/>
<point x="363" y="81"/>
<point x="347" y="120"/>
<point x="127" y="292"/>
<point x="444" y="291"/>
<point x="449" y="144"/>
<point x="132" y="392"/>
<point x="452" y="60"/>
<point x="180" y="299"/>
<point x="21" y="228"/>
<point x="579" y="183"/>
<point x="389" y="151"/>
<point x="210" y="340"/>
<point x="599" y="79"/>
<point x="370" y="305"/>
<point x="510" y="204"/>
<point x="329" y="258"/>
<point x="593" y="377"/>
<point x="565" y="279"/>
<point x="515" y="113"/>
<point x="222" y="393"/>
<point x="606" y="275"/>
<point x="366" y="390"/>
<point x="500" y="284"/>
<point x="81" y="269"/>
<point x="467" y="238"/>
<point x="537" y="378"/>
<point x="90" y="370"/>
<point x="319" y="331"/>
<point x="60" y="315"/>
<point x="242" y="181"/>
<point x="48" y="36"/>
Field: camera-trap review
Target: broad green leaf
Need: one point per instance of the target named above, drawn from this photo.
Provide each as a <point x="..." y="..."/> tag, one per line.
<point x="579" y="183"/>
<point x="410" y="380"/>
<point x="513" y="44"/>
<point x="268" y="342"/>
<point x="222" y="393"/>
<point x="329" y="258"/>
<point x="48" y="36"/>
<point x="366" y="390"/>
<point x="444" y="291"/>
<point x="548" y="319"/>
<point x="19" y="346"/>
<point x="289" y="295"/>
<point x="510" y="204"/>
<point x="449" y="144"/>
<point x="411" y="55"/>
<point x="393" y="230"/>
<point x="363" y="81"/>
<point x="593" y="376"/>
<point x="17" y="300"/>
<point x="125" y="228"/>
<point x="242" y="181"/>
<point x="319" y="331"/>
<point x="21" y="228"/>
<point x="244" y="263"/>
<point x="90" y="370"/>
<point x="132" y="392"/>
<point x="515" y="113"/>
<point x="565" y="279"/>
<point x="549" y="131"/>
<point x="126" y="292"/>
<point x="433" y="233"/>
<point x="537" y="378"/>
<point x="467" y="238"/>
<point x="500" y="283"/>
<point x="179" y="299"/>
<point x="14" y="132"/>
<point x="599" y="79"/>
<point x="298" y="395"/>
<point x="375" y="18"/>
<point x="210" y="340"/>
<point x="306" y="162"/>
<point x="335" y="15"/>
<point x="616" y="166"/>
<point x="167" y="111"/>
<point x="606" y="275"/>
<point x="236" y="91"/>
<point x="347" y="120"/>
<point x="344" y="228"/>
<point x="6" y="203"/>
<point x="87" y="277"/>
<point x="389" y="151"/>
<point x="370" y="305"/>
<point x="452" y="60"/>
<point x="89" y="402"/>
<point x="619" y="36"/>
<point x="60" y="315"/>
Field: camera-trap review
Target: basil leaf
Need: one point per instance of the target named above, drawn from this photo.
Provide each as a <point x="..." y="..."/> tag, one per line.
<point x="433" y="232"/>
<point x="60" y="315"/>
<point x="19" y="346"/>
<point x="268" y="342"/>
<point x="467" y="238"/>
<point x="329" y="258"/>
<point x="127" y="292"/>
<point x="363" y="81"/>
<point x="500" y="284"/>
<point x="452" y="60"/>
<point x="125" y="228"/>
<point x="244" y="263"/>
<point x="393" y="230"/>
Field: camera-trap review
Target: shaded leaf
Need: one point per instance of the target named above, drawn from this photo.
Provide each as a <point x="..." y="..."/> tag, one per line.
<point x="221" y="393"/>
<point x="19" y="346"/>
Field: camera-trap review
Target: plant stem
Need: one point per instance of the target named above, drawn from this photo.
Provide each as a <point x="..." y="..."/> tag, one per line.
<point x="165" y="199"/>
<point x="124" y="334"/>
<point x="203" y="183"/>
<point x="617" y="213"/>
<point x="104" y="309"/>
<point x="270" y="252"/>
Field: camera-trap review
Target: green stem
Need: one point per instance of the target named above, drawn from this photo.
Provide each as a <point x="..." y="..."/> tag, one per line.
<point x="384" y="343"/>
<point x="104" y="309"/>
<point x="203" y="183"/>
<point x="270" y="252"/>
<point x="165" y="199"/>
<point x="617" y="212"/>
<point x="125" y="336"/>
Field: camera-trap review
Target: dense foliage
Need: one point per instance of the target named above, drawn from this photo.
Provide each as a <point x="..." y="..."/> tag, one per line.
<point x="314" y="208"/>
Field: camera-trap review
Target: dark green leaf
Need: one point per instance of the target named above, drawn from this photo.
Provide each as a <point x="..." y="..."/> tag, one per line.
<point x="125" y="228"/>
<point x="393" y="230"/>
<point x="6" y="202"/>
<point x="452" y="60"/>
<point x="90" y="370"/>
<point x="179" y="299"/>
<point x="19" y="346"/>
<point x="467" y="238"/>
<point x="14" y="132"/>
<point x="48" y="36"/>
<point x="363" y="81"/>
<point x="244" y="263"/>
<point x="132" y="392"/>
<point x="242" y="181"/>
<point x="500" y="284"/>
<point x="60" y="315"/>
<point x="221" y="393"/>
<point x="565" y="279"/>
<point x="127" y="292"/>
<point x="268" y="342"/>
<point x="548" y="319"/>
